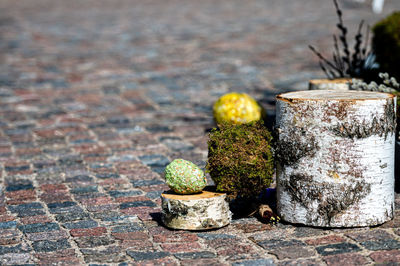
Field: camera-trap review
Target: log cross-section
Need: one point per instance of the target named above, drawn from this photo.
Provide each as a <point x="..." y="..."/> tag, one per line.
<point x="335" y="157"/>
<point x="203" y="211"/>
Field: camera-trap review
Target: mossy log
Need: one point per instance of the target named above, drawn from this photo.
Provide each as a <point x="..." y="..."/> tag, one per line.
<point x="341" y="84"/>
<point x="203" y="211"/>
<point x="336" y="157"/>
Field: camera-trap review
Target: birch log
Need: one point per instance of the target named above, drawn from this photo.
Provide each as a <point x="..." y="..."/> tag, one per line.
<point x="203" y="211"/>
<point x="336" y="157"/>
<point x="341" y="84"/>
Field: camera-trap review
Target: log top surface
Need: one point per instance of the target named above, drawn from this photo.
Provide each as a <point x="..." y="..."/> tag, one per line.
<point x="333" y="95"/>
<point x="203" y="195"/>
<point x="322" y="81"/>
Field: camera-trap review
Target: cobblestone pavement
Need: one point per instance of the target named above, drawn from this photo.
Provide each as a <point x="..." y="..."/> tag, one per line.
<point x="96" y="97"/>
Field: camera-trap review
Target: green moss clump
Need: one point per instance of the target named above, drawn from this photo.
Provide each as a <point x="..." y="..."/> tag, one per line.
<point x="240" y="159"/>
<point x="386" y="44"/>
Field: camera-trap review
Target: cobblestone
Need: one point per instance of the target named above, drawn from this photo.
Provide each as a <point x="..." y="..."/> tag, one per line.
<point x="96" y="98"/>
<point x="339" y="248"/>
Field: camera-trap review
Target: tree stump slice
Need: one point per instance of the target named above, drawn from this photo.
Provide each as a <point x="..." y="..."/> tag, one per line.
<point x="203" y="211"/>
<point x="336" y="157"/>
<point x="341" y="84"/>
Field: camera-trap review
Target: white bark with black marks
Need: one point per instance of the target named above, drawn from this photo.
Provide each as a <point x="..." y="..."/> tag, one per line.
<point x="336" y="157"/>
<point x="203" y="211"/>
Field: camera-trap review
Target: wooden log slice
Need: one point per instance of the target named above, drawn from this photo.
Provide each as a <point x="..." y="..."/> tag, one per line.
<point x="335" y="157"/>
<point x="203" y="211"/>
<point x="341" y="84"/>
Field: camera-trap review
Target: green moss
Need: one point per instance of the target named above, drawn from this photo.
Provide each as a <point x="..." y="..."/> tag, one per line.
<point x="240" y="159"/>
<point x="386" y="44"/>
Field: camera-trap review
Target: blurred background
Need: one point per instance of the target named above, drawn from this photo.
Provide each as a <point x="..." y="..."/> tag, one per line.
<point x="166" y="58"/>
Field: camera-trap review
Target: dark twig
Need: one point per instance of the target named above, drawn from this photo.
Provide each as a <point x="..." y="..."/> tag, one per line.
<point x="324" y="60"/>
<point x="365" y="48"/>
<point x="357" y="51"/>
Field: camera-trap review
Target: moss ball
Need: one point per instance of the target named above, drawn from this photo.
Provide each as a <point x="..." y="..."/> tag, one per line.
<point x="240" y="159"/>
<point x="236" y="108"/>
<point x="386" y="44"/>
<point x="184" y="177"/>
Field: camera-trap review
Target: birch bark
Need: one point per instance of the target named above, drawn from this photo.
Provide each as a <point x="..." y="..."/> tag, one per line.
<point x="336" y="157"/>
<point x="203" y="211"/>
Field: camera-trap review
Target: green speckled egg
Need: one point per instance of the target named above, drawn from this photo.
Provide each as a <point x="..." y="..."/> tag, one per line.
<point x="184" y="177"/>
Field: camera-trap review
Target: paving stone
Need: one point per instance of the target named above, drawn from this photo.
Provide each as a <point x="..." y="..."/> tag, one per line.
<point x="237" y="251"/>
<point x="118" y="194"/>
<point x="20" y="196"/>
<point x="181" y="247"/>
<point x="64" y="204"/>
<point x="52" y="235"/>
<point x="278" y="243"/>
<point x="95" y="231"/>
<point x="101" y="208"/>
<point x="388" y="244"/>
<point x="175" y="237"/>
<point x="15" y="259"/>
<point x="78" y="178"/>
<point x="93" y="241"/>
<point x="300" y="262"/>
<point x="154" y="160"/>
<point x="71" y="209"/>
<point x="49" y="246"/>
<point x="331" y="239"/>
<point x="307" y="232"/>
<point x="370" y="235"/>
<point x="215" y="236"/>
<point x="158" y="129"/>
<point x="154" y="194"/>
<point x="199" y="262"/>
<point x="8" y="225"/>
<point x="19" y="186"/>
<point x="64" y="256"/>
<point x="68" y="217"/>
<point x="20" y="248"/>
<point x="81" y="224"/>
<point x="146" y="203"/>
<point x="107" y="175"/>
<point x="9" y="237"/>
<point x="258" y="262"/>
<point x="144" y="183"/>
<point x="140" y="256"/>
<point x="87" y="189"/>
<point x="20" y="168"/>
<point x="292" y="252"/>
<point x="114" y="217"/>
<point x="132" y="227"/>
<point x="94" y="198"/>
<point x="107" y="254"/>
<point x="27" y="209"/>
<point x="346" y="259"/>
<point x="129" y="236"/>
<point x="339" y="248"/>
<point x="386" y="257"/>
<point x="195" y="255"/>
<point x="39" y="227"/>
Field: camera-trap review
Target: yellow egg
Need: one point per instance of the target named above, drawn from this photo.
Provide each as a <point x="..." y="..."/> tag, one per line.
<point x="236" y="108"/>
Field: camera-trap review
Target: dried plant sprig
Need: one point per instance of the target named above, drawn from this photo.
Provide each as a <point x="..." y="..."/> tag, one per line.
<point x="345" y="63"/>
<point x="389" y="84"/>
